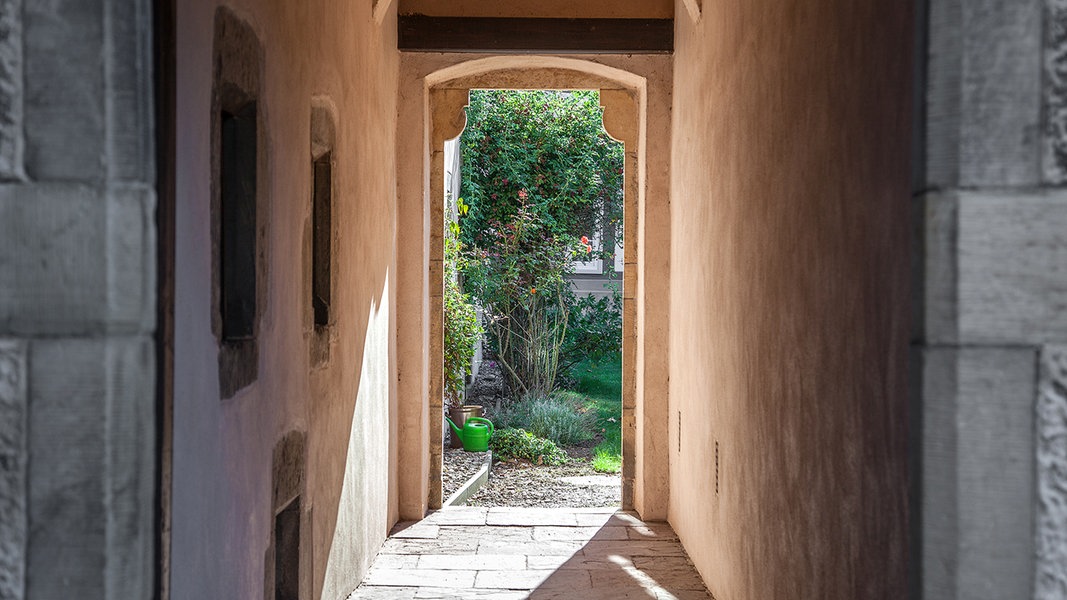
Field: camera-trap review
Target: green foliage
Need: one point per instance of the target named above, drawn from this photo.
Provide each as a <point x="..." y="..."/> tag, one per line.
<point x="594" y="328"/>
<point x="540" y="175"/>
<point x="560" y="417"/>
<point x="461" y="330"/>
<point x="519" y="280"/>
<point x="518" y="443"/>
<point x="551" y="146"/>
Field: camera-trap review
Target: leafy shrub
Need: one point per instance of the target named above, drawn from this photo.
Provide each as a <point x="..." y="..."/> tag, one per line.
<point x="594" y="329"/>
<point x="539" y="172"/>
<point x="518" y="443"/>
<point x="461" y="329"/>
<point x="560" y="417"/>
<point x="519" y="282"/>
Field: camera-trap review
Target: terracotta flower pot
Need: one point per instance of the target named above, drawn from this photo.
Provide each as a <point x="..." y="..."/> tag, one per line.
<point x="459" y="416"/>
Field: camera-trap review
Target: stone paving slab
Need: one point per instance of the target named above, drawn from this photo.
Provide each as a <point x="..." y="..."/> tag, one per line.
<point x="479" y="562"/>
<point x="415" y="529"/>
<point x="534" y="579"/>
<point x="551" y="532"/>
<point x="509" y="553"/>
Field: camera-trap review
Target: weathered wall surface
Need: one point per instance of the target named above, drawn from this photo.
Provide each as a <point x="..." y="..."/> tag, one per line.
<point x="789" y="297"/>
<point x="77" y="300"/>
<point x="316" y="421"/>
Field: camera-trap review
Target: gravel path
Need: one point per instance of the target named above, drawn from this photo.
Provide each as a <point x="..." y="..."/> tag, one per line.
<point x="457" y="466"/>
<point x="518" y="482"/>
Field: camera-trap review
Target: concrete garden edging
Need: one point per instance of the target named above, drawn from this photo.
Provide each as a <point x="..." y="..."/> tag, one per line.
<point x="475" y="483"/>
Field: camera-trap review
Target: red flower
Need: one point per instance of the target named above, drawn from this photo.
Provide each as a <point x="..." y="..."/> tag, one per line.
<point x="522" y="194"/>
<point x="533" y="290"/>
<point x="585" y="240"/>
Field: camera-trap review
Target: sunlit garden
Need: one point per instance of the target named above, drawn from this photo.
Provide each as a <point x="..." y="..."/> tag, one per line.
<point x="531" y="279"/>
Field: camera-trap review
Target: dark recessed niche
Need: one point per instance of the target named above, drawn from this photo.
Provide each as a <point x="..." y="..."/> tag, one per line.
<point x="239" y="210"/>
<point x="237" y="236"/>
<point x="321" y="238"/>
<point x="287" y="552"/>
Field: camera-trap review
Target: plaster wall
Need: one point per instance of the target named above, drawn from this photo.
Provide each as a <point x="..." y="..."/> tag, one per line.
<point x="789" y="297"/>
<point x="230" y="465"/>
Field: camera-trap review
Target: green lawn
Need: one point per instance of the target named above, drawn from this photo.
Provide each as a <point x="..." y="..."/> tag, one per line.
<point x="602" y="384"/>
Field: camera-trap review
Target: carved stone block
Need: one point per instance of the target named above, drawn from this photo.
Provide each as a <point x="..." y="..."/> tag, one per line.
<point x="12" y="469"/>
<point x="1051" y="521"/>
<point x="11" y="89"/>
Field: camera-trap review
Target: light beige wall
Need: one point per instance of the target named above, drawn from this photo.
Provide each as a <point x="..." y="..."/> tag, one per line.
<point x="647" y="9"/>
<point x="789" y="296"/>
<point x="222" y="477"/>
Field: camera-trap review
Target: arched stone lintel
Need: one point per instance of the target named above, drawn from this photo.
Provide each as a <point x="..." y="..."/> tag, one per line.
<point x="449" y="117"/>
<point x="620" y="115"/>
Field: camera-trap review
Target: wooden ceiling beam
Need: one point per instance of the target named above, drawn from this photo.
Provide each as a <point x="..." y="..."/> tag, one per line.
<point x="507" y="35"/>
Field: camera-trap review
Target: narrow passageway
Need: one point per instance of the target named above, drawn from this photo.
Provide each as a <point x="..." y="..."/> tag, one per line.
<point x="507" y="552"/>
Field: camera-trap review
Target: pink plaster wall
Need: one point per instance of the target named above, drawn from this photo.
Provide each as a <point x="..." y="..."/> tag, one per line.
<point x="789" y="296"/>
<point x="222" y="514"/>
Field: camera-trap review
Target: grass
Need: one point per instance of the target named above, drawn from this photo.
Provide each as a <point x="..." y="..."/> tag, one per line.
<point x="601" y="383"/>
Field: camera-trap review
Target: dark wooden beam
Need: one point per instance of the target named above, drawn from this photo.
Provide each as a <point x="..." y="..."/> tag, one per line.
<point x="418" y="33"/>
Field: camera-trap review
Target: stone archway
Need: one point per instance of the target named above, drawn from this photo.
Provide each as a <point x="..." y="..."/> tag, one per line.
<point x="624" y="97"/>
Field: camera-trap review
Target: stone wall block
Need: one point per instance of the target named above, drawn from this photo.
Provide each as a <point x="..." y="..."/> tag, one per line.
<point x="1012" y="252"/>
<point x="995" y="421"/>
<point x="1054" y="155"/>
<point x="68" y="441"/>
<point x="983" y="95"/>
<point x="131" y="254"/>
<point x="129" y="365"/>
<point x="943" y="94"/>
<point x="52" y="239"/>
<point x="939" y="271"/>
<point x="131" y="152"/>
<point x="65" y="90"/>
<point x="92" y="431"/>
<point x="1050" y="581"/>
<point x="977" y="475"/>
<point x="1000" y="127"/>
<point x="11" y="140"/>
<point x="939" y="457"/>
<point x="12" y="469"/>
<point x="75" y="260"/>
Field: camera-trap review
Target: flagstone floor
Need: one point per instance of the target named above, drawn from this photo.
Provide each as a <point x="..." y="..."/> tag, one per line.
<point x="558" y="553"/>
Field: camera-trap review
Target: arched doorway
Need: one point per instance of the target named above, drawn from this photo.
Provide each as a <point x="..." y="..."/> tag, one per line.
<point x="445" y="89"/>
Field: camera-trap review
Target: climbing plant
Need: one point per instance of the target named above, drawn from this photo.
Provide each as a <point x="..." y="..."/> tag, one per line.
<point x="540" y="177"/>
<point x="551" y="146"/>
<point x="461" y="329"/>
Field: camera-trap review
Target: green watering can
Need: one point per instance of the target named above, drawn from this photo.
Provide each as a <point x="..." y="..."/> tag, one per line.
<point x="474" y="435"/>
